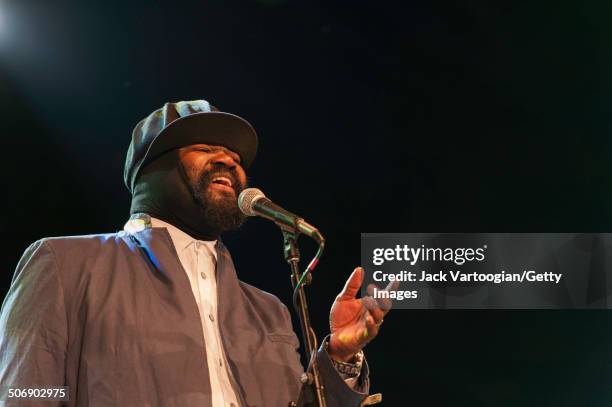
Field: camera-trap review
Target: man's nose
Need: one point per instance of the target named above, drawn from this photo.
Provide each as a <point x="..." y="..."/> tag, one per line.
<point x="221" y="157"/>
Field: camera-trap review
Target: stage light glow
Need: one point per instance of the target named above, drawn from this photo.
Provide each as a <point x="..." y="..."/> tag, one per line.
<point x="2" y="23"/>
<point x="7" y="26"/>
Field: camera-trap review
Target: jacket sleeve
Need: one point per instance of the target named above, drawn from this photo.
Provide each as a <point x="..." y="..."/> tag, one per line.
<point x="33" y="327"/>
<point x="337" y="392"/>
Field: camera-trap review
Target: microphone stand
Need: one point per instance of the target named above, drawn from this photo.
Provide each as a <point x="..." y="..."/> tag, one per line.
<point x="311" y="377"/>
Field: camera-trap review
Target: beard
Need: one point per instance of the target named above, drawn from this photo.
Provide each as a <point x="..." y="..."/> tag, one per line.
<point x="219" y="208"/>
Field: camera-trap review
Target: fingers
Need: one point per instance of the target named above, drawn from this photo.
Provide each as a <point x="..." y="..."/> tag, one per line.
<point x="375" y="314"/>
<point x="392" y="286"/>
<point x="378" y="315"/>
<point x="372" y="327"/>
<point x="382" y="303"/>
<point x="352" y="286"/>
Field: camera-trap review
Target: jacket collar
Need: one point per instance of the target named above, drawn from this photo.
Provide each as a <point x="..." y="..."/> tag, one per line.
<point x="142" y="221"/>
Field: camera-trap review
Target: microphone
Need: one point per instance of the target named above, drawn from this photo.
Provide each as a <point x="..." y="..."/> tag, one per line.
<point x="253" y="202"/>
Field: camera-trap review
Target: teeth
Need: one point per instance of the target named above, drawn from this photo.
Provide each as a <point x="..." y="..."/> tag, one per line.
<point x="223" y="180"/>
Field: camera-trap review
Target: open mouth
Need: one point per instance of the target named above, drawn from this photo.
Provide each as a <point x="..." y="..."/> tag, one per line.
<point x="223" y="181"/>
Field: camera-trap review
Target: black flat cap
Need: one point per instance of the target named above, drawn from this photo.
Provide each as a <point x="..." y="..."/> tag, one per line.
<point x="181" y="124"/>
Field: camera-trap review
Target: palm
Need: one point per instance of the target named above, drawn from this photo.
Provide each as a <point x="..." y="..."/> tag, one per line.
<point x="348" y="321"/>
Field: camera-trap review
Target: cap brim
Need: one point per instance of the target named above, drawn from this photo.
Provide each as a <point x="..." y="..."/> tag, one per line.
<point x="215" y="128"/>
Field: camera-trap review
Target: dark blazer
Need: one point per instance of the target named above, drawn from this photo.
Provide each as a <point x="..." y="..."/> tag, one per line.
<point x="114" y="318"/>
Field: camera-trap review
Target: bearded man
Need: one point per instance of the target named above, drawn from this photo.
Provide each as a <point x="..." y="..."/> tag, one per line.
<point x="155" y="315"/>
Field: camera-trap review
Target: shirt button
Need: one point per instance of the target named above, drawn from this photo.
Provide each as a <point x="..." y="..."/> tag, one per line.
<point x="203" y="274"/>
<point x="232" y="405"/>
<point x="212" y="318"/>
<point x="220" y="362"/>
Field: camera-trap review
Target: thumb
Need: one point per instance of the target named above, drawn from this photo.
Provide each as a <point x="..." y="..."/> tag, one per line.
<point x="352" y="286"/>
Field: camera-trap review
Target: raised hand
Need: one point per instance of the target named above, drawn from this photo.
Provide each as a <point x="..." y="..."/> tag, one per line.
<point x="355" y="321"/>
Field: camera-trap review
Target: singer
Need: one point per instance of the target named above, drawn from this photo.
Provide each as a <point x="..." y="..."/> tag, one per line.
<point x="155" y="315"/>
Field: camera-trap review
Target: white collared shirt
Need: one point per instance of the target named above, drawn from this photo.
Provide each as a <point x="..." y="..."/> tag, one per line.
<point x="199" y="259"/>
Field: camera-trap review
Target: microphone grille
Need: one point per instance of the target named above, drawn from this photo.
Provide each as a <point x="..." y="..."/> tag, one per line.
<point x="247" y="198"/>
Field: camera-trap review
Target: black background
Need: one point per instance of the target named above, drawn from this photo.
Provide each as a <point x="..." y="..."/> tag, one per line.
<point x="420" y="116"/>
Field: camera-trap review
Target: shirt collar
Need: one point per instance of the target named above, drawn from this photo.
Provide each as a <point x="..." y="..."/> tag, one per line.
<point x="180" y="239"/>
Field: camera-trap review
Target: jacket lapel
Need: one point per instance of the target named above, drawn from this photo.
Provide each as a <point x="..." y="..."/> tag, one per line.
<point x="173" y="290"/>
<point x="230" y="306"/>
